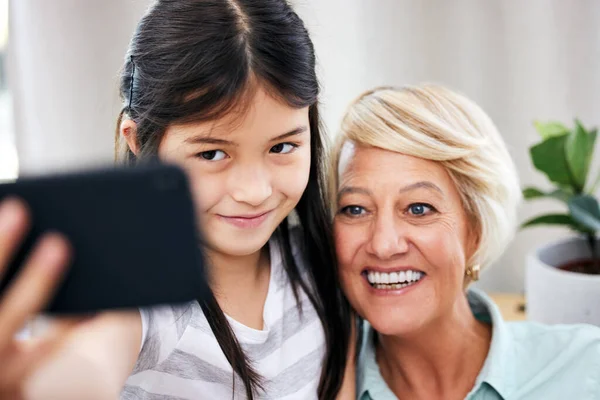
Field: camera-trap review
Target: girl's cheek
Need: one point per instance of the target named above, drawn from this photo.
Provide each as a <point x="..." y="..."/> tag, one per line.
<point x="292" y="179"/>
<point x="207" y="191"/>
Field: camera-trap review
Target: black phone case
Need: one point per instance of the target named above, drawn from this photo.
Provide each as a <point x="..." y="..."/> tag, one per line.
<point x="133" y="232"/>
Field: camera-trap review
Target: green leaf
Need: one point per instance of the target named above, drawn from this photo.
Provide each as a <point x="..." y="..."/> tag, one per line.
<point x="579" y="154"/>
<point x="593" y="187"/>
<point x="561" y="195"/>
<point x="550" y="129"/>
<point x="531" y="193"/>
<point x="549" y="158"/>
<point x="592" y="138"/>
<point x="592" y="190"/>
<point x="551" y="219"/>
<point x="586" y="211"/>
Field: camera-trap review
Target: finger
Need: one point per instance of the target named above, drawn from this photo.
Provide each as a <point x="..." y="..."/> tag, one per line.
<point x="11" y="394"/>
<point x="34" y="286"/>
<point x="14" y="221"/>
<point x="26" y="355"/>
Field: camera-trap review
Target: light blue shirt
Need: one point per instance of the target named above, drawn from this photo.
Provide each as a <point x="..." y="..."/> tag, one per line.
<point x="526" y="360"/>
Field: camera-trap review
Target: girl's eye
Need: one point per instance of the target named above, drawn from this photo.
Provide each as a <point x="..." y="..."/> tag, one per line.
<point x="283" y="148"/>
<point x="213" y="155"/>
<point x="419" y="209"/>
<point x="353" y="211"/>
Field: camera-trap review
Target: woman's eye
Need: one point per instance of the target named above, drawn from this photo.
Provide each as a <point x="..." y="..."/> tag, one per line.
<point x="419" y="209"/>
<point x="353" y="211"/>
<point x="212" y="155"/>
<point x="283" y="148"/>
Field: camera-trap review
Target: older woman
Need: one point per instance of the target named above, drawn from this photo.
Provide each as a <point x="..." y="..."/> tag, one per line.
<point x="426" y="196"/>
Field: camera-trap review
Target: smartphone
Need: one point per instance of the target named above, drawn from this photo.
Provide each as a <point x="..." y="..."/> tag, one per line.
<point x="133" y="232"/>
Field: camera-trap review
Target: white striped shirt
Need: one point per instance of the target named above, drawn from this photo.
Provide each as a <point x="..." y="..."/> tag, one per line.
<point x="181" y="359"/>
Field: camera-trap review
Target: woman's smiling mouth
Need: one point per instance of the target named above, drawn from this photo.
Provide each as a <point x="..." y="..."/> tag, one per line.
<point x="392" y="279"/>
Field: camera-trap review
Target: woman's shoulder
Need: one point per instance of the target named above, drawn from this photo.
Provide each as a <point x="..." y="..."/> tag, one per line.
<point x="534" y="335"/>
<point x="555" y="357"/>
<point x="559" y="335"/>
<point x="579" y="343"/>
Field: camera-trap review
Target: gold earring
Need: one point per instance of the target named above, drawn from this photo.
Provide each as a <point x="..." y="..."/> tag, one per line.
<point x="473" y="272"/>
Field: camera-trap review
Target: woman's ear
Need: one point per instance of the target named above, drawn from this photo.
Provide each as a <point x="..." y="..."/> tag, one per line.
<point x="128" y="130"/>
<point x="473" y="243"/>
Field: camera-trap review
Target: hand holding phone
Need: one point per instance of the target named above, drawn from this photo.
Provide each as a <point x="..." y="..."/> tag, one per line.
<point x="132" y="231"/>
<point x="26" y="296"/>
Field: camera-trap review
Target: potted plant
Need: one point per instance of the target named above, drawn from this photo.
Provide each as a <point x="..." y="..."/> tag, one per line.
<point x="562" y="279"/>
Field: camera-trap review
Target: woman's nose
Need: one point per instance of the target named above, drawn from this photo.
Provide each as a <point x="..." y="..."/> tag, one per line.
<point x="387" y="238"/>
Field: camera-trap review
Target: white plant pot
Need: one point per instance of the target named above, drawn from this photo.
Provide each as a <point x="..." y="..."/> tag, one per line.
<point x="555" y="296"/>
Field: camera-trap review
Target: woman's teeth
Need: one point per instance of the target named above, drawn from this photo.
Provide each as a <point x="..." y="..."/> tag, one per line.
<point x="393" y="280"/>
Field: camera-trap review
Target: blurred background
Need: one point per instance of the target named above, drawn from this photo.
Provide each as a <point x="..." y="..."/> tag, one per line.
<point x="521" y="61"/>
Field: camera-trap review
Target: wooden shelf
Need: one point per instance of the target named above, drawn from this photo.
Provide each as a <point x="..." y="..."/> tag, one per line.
<point x="511" y="305"/>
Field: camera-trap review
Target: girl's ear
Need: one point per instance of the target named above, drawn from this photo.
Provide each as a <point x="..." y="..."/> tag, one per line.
<point x="128" y="130"/>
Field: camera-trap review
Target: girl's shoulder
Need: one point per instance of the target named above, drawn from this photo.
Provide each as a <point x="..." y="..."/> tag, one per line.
<point x="156" y="320"/>
<point x="162" y="328"/>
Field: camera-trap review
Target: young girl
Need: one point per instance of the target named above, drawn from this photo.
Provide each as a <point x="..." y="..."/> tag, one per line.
<point x="226" y="89"/>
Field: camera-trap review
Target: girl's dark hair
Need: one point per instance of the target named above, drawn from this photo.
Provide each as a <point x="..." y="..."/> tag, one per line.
<point x="196" y="60"/>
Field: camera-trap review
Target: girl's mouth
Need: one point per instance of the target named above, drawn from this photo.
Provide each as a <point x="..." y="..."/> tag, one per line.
<point x="247" y="221"/>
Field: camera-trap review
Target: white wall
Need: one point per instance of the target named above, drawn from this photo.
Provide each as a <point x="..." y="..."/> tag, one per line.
<point x="65" y="57"/>
<point x="519" y="60"/>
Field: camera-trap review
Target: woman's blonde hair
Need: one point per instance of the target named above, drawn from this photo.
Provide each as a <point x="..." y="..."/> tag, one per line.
<point x="434" y="123"/>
